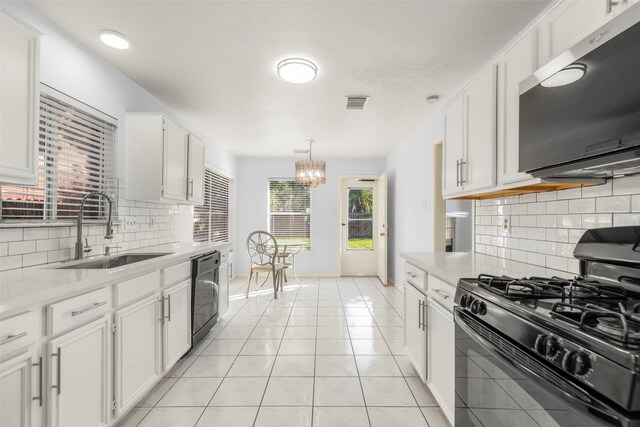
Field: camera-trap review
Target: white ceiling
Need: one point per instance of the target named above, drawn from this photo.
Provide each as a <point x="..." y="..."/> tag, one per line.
<point x="214" y="62"/>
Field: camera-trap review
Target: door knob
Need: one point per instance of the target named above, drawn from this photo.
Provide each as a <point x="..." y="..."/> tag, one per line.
<point x="382" y="234"/>
<point x="343" y="224"/>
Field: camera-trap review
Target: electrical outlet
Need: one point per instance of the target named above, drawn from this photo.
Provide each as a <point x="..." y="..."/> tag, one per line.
<point x="506" y="225"/>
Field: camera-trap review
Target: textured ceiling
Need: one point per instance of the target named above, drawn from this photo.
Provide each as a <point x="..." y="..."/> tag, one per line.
<point x="214" y="62"/>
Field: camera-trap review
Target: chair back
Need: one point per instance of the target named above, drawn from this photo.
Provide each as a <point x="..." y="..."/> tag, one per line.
<point x="262" y="248"/>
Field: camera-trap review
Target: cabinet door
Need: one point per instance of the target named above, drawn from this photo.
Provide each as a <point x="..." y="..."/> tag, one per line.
<point x="479" y="169"/>
<point x="19" y="55"/>
<point x="79" y="372"/>
<point x="569" y="23"/>
<point x="453" y="146"/>
<point x="223" y="286"/>
<point x="442" y="368"/>
<point x="20" y="388"/>
<point x="516" y="65"/>
<point x="415" y="329"/>
<point x="177" y="323"/>
<point x="196" y="171"/>
<point x="174" y="179"/>
<point x="137" y="351"/>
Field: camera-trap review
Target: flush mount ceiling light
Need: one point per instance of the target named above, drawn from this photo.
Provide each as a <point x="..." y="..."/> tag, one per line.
<point x="567" y="75"/>
<point x="311" y="172"/>
<point x="114" y="39"/>
<point x="433" y="99"/>
<point x="297" y="70"/>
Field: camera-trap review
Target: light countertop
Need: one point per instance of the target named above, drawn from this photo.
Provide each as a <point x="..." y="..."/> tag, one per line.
<point x="451" y="266"/>
<point x="23" y="288"/>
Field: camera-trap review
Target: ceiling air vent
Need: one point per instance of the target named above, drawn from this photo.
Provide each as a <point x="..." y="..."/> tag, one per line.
<point x="356" y="102"/>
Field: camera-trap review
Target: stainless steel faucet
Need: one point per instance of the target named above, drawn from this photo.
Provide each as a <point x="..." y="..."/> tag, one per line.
<point x="80" y="249"/>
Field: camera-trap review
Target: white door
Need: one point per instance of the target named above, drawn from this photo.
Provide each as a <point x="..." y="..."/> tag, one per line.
<point x="381" y="222"/>
<point x="20" y="384"/>
<point x="79" y="367"/>
<point x="453" y="146"/>
<point x="137" y="351"/>
<point x="415" y="329"/>
<point x="479" y="169"/>
<point x="19" y="102"/>
<point x="177" y="323"/>
<point x="196" y="171"/>
<point x="174" y="179"/>
<point x="442" y="368"/>
<point x="516" y="65"/>
<point x="359" y="236"/>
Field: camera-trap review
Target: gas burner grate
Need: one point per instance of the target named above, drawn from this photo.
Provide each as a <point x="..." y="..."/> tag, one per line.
<point x="509" y="287"/>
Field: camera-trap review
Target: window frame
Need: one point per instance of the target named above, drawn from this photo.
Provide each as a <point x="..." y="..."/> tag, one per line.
<point x="50" y="192"/>
<point x="305" y="249"/>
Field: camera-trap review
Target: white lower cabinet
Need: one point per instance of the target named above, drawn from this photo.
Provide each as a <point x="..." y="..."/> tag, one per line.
<point x="137" y="351"/>
<point x="21" y="390"/>
<point x="415" y="329"/>
<point x="442" y="369"/>
<point x="177" y="323"/>
<point x="78" y="380"/>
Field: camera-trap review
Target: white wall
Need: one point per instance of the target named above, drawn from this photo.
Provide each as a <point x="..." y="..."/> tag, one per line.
<point x="410" y="175"/>
<point x="70" y="67"/>
<point x="251" y="207"/>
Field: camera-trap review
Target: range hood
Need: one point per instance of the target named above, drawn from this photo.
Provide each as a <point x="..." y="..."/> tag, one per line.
<point x="580" y="113"/>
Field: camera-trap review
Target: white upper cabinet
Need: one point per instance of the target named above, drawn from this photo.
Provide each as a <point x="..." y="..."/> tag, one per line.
<point x="19" y="82"/>
<point x="515" y="65"/>
<point x="470" y="137"/>
<point x="453" y="146"/>
<point x="195" y="170"/>
<point x="164" y="162"/>
<point x="569" y="23"/>
<point x="478" y="169"/>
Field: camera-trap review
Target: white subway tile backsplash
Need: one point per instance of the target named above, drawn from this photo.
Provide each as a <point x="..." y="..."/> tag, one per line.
<point x="11" y="262"/>
<point x="4" y="249"/>
<point x="10" y="234"/>
<point x="582" y="206"/>
<point x="546" y="228"/>
<point x="620" y="220"/>
<point x="34" y="259"/>
<point x="598" y="190"/>
<point x="47" y="245"/>
<point x="34" y="233"/>
<point x="613" y="204"/>
<point x="23" y="247"/>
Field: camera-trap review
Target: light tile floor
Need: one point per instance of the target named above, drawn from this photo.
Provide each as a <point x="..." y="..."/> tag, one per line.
<point x="327" y="354"/>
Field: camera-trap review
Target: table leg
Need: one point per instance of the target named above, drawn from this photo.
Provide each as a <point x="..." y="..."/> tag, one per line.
<point x="293" y="268"/>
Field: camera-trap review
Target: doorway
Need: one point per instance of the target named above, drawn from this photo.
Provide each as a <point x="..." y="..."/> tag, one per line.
<point x="363" y="226"/>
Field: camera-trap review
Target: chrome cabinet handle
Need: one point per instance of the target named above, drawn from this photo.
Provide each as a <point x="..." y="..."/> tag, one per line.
<point x="10" y="338"/>
<point x="168" y="298"/>
<point x="424" y="316"/>
<point x="610" y="4"/>
<point x="413" y="275"/>
<point x="420" y="313"/>
<point x="91" y="307"/>
<point x="462" y="180"/>
<point x="39" y="396"/>
<point x="442" y="294"/>
<point x="191" y="184"/>
<point x="457" y="172"/>
<point x="58" y="375"/>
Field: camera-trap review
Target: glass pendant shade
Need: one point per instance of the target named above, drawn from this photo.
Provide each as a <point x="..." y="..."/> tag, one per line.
<point x="311" y="172"/>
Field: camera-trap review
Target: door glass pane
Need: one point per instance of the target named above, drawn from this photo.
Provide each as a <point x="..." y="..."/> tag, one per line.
<point x="360" y="222"/>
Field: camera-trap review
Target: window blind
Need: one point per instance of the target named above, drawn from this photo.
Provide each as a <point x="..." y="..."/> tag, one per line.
<point x="290" y="211"/>
<point x="77" y="155"/>
<point x="211" y="220"/>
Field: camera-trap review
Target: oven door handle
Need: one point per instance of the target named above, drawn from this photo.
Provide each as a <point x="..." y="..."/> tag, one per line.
<point x="570" y="391"/>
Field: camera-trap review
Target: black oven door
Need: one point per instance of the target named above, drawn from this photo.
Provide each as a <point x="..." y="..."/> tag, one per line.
<point x="498" y="384"/>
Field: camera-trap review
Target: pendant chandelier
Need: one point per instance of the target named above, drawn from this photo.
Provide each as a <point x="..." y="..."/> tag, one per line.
<point x="311" y="172"/>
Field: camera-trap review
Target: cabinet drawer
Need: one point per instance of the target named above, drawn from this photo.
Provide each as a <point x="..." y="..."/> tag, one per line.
<point x="441" y="292"/>
<point x="17" y="332"/>
<point x="415" y="276"/>
<point x="177" y="273"/>
<point x="77" y="310"/>
<point x="137" y="287"/>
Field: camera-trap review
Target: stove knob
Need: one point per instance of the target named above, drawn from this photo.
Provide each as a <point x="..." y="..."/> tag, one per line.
<point x="576" y="363"/>
<point x="478" y="307"/>
<point x="547" y="346"/>
<point x="463" y="300"/>
<point x="469" y="302"/>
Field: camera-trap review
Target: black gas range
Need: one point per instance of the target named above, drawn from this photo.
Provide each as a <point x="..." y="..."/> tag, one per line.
<point x="554" y="351"/>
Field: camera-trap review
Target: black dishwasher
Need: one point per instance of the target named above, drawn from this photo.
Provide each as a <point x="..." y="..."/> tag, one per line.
<point x="204" y="295"/>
